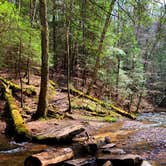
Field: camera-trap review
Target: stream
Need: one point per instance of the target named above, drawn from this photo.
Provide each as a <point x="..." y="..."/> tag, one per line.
<point x="146" y="136"/>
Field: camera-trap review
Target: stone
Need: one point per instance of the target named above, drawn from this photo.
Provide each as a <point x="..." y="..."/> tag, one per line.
<point x="108" y="163"/>
<point x="121" y="160"/>
<point x="145" y="163"/>
<point x="89" y="161"/>
<point x="107" y="140"/>
<point x="110" y="145"/>
<point x="114" y="151"/>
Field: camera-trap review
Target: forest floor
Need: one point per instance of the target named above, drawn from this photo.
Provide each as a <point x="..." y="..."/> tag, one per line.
<point x="85" y="112"/>
<point x="95" y="119"/>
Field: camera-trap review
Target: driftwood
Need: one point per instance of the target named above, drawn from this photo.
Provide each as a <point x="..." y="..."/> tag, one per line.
<point x="20" y="128"/>
<point x="102" y="103"/>
<point x="49" y="157"/>
<point x="30" y="91"/>
<point x="58" y="134"/>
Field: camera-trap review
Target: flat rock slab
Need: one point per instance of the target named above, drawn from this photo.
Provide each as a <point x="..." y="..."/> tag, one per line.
<point x="114" y="151"/>
<point x="91" y="161"/>
<point x="119" y="160"/>
<point x="54" y="132"/>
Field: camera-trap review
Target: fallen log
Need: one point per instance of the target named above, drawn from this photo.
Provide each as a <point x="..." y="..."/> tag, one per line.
<point x="30" y="91"/>
<point x="21" y="131"/>
<point x="49" y="157"/>
<point x="102" y="103"/>
<point x="58" y="134"/>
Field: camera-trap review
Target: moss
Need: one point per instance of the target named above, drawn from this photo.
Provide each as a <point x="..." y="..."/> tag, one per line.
<point x="17" y="120"/>
<point x="53" y="84"/>
<point x="30" y="91"/>
<point x="109" y="119"/>
<point x="102" y="103"/>
<point x="99" y="118"/>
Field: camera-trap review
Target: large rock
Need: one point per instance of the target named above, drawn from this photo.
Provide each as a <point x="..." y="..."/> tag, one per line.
<point x="58" y="133"/>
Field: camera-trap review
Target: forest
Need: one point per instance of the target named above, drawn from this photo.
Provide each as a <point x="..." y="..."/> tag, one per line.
<point x="83" y="82"/>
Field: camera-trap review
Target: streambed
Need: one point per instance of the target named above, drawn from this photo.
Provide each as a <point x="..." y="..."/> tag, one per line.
<point x="145" y="136"/>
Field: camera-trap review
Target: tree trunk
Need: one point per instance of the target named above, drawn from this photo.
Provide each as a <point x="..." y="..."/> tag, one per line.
<point x="19" y="71"/>
<point x="42" y="103"/>
<point x="100" y="47"/>
<point x="117" y="77"/>
<point x="68" y="62"/>
<point x="139" y="102"/>
<point x="54" y="35"/>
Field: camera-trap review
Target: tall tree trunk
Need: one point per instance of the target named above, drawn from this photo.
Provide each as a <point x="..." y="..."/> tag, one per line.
<point x="117" y="77"/>
<point x="100" y="47"/>
<point x="68" y="69"/>
<point x="42" y="103"/>
<point x="19" y="70"/>
<point x="68" y="58"/>
<point x="139" y="102"/>
<point x="54" y="35"/>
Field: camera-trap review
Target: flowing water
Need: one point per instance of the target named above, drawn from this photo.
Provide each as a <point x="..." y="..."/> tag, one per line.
<point x="145" y="136"/>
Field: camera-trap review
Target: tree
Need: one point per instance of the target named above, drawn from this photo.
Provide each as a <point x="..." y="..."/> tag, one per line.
<point x="100" y="47"/>
<point x="42" y="103"/>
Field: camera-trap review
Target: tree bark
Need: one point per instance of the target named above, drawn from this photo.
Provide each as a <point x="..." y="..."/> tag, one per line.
<point x="42" y="103"/>
<point x="100" y="47"/>
<point x="19" y="71"/>
<point x="117" y="77"/>
<point x="54" y="29"/>
<point x="68" y="59"/>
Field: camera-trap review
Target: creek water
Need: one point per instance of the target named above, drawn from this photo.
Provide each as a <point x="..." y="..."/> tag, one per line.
<point x="145" y="136"/>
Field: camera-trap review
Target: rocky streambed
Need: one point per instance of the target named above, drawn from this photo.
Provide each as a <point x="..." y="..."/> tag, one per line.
<point x="145" y="136"/>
